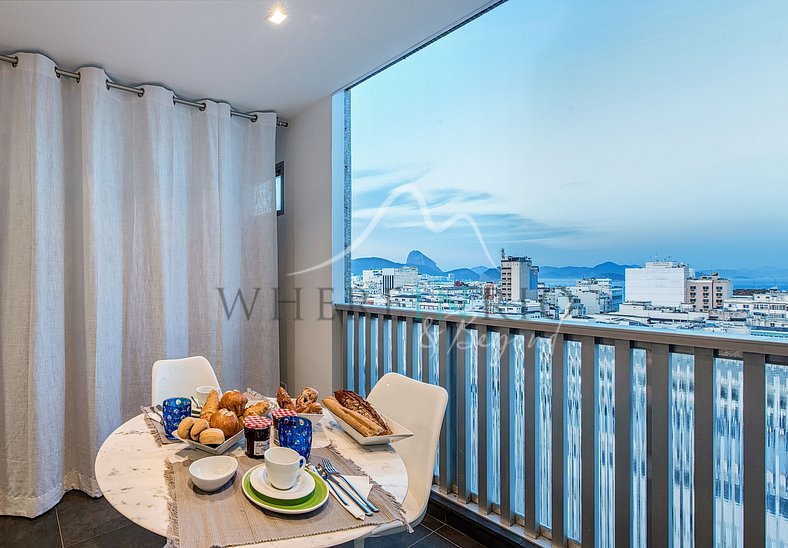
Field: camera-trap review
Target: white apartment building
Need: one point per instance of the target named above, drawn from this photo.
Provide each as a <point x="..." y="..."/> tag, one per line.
<point x="595" y="294"/>
<point x="708" y="292"/>
<point x="662" y="283"/>
<point x="519" y="279"/>
<point x="382" y="281"/>
<point x="760" y="306"/>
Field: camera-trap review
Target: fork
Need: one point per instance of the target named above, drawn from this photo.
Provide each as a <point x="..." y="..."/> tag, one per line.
<point x="358" y="503"/>
<point x="329" y="467"/>
<point x="323" y="474"/>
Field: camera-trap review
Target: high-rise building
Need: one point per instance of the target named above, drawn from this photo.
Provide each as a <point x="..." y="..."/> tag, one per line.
<point x="705" y="293"/>
<point x="662" y="283"/>
<point x="519" y="279"/>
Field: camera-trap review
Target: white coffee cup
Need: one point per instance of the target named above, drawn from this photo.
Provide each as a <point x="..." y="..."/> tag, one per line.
<point x="282" y="466"/>
<point x="202" y="393"/>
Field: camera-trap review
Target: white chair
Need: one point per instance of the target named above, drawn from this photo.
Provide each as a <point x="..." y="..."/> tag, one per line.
<point x="419" y="407"/>
<point x="172" y="378"/>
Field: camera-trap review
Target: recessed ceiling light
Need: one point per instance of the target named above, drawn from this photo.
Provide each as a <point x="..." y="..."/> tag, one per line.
<point x="277" y="16"/>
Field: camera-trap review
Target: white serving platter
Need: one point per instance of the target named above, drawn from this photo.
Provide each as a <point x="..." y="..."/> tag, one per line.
<point x="219" y="449"/>
<point x="399" y="432"/>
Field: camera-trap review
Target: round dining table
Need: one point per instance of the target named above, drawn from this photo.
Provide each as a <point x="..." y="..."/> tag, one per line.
<point x="130" y="472"/>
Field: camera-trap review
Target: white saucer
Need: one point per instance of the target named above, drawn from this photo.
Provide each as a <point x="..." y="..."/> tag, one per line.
<point x="304" y="486"/>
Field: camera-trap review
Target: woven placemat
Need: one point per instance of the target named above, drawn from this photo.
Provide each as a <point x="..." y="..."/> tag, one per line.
<point x="228" y="518"/>
<point x="156" y="428"/>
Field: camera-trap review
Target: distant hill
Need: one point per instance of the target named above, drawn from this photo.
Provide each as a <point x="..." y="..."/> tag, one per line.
<point x="358" y="266"/>
<point x="608" y="269"/>
<point x="464" y="275"/>
<point x="426" y="265"/>
<point x="491" y="275"/>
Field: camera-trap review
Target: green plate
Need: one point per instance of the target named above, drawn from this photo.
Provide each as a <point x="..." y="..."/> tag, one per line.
<point x="317" y="499"/>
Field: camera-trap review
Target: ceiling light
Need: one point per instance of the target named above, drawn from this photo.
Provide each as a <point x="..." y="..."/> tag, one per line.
<point x="277" y="16"/>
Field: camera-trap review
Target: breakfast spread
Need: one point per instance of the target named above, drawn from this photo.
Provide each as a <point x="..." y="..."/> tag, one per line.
<point x="220" y="418"/>
<point x="357" y="412"/>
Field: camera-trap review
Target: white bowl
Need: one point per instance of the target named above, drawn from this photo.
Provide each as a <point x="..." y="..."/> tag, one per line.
<point x="210" y="473"/>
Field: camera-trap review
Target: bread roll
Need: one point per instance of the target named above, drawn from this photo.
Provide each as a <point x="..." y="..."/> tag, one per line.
<point x="365" y="426"/>
<point x="284" y="400"/>
<point x="212" y="436"/>
<point x="258" y="409"/>
<point x="233" y="401"/>
<point x="198" y="426"/>
<point x="312" y="408"/>
<point x="211" y="405"/>
<point x="352" y="401"/>
<point x="226" y="421"/>
<point x="308" y="395"/>
<point x="185" y="427"/>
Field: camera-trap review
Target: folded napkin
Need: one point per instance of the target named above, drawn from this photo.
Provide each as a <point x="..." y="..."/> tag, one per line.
<point x="156" y="427"/>
<point x="362" y="485"/>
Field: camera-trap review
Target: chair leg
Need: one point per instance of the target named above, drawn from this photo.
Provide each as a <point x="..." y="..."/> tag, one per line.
<point x="358" y="543"/>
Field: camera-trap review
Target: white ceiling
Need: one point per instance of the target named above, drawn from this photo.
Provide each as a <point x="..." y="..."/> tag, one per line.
<point x="227" y="50"/>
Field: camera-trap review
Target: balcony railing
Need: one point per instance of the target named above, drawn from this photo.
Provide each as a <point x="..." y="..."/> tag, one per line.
<point x="600" y="436"/>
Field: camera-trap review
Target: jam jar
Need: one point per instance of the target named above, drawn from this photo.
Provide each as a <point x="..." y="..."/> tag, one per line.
<point x="257" y="431"/>
<point x="277" y="414"/>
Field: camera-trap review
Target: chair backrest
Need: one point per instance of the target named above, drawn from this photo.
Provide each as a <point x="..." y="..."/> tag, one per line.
<point x="420" y="407"/>
<point x="172" y="378"/>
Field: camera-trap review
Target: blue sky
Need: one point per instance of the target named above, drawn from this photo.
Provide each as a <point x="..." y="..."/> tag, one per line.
<point x="579" y="132"/>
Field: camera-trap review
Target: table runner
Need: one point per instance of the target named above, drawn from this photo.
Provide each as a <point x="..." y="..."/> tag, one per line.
<point x="156" y="428"/>
<point x="228" y="518"/>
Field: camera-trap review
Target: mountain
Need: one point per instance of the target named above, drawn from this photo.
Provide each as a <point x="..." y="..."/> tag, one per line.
<point x="480" y="269"/>
<point x="608" y="269"/>
<point x="424" y="264"/>
<point x="491" y="275"/>
<point x="464" y="275"/>
<point x="371" y="263"/>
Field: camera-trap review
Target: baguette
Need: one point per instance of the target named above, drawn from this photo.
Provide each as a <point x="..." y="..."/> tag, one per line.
<point x="363" y="425"/>
<point x="352" y="401"/>
<point x="211" y="406"/>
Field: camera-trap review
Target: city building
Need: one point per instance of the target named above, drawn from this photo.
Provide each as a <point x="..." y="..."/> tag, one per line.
<point x="519" y="279"/>
<point x="597" y="295"/>
<point x="708" y="292"/>
<point x="662" y="283"/>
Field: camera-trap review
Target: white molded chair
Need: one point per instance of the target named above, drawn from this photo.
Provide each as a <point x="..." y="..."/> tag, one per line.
<point x="172" y="378"/>
<point x="419" y="407"/>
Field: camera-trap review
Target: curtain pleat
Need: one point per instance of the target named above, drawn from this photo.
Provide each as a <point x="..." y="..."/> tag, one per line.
<point x="120" y="219"/>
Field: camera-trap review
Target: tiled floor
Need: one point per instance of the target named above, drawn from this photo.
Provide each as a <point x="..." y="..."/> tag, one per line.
<point x="82" y="522"/>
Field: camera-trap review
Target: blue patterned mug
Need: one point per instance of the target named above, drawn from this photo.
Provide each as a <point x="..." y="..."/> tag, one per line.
<point x="296" y="433"/>
<point x="174" y="410"/>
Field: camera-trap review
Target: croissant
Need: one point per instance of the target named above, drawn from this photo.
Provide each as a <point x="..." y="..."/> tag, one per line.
<point x="258" y="409"/>
<point x="211" y="406"/>
<point x="284" y="400"/>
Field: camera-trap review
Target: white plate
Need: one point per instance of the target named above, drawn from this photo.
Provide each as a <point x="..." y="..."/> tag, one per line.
<point x="320" y="497"/>
<point x="399" y="432"/>
<point x="218" y="450"/>
<point x="303" y="487"/>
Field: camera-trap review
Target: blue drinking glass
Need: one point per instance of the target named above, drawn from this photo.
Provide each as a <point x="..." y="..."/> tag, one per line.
<point x="174" y="411"/>
<point x="296" y="433"/>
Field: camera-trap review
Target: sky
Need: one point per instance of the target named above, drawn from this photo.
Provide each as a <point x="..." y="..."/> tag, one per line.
<point x="580" y="132"/>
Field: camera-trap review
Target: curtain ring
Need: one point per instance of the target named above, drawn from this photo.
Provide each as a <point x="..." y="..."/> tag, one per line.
<point x="254" y="118"/>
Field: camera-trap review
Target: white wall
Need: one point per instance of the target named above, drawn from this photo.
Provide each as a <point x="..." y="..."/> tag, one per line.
<point x="304" y="241"/>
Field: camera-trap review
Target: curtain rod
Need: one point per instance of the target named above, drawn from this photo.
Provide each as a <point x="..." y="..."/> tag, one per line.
<point x="14" y="61"/>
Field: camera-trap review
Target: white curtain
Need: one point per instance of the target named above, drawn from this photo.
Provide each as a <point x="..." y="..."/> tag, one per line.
<point x="120" y="218"/>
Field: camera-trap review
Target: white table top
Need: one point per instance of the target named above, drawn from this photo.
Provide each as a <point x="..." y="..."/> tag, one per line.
<point x="130" y="473"/>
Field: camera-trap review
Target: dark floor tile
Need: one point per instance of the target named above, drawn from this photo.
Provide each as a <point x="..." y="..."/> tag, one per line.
<point x="431" y="523"/>
<point x="434" y="540"/>
<point x="458" y="538"/>
<point x="40" y="531"/>
<point x="82" y="517"/>
<point x="131" y="536"/>
<point x="437" y="511"/>
<point x="400" y="540"/>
